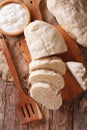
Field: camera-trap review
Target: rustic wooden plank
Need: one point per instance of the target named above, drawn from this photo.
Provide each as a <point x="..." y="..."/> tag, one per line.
<point x="80" y="116"/>
<point x="38" y="125"/>
<point x="47" y="119"/>
<point x="35" y="125"/>
<point x="2" y="103"/>
<point x="11" y="121"/>
<point x="55" y="120"/>
<point x="62" y="118"/>
<point x="84" y="51"/>
<point x="45" y="123"/>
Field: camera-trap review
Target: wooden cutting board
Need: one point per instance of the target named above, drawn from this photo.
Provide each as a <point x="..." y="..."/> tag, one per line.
<point x="72" y="89"/>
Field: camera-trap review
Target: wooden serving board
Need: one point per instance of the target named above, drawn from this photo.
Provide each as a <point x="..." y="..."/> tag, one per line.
<point x="72" y="88"/>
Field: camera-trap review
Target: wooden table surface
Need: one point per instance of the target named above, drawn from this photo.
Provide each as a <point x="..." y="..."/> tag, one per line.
<point x="68" y="117"/>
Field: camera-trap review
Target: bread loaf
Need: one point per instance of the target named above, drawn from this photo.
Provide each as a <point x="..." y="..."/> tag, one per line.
<point x="43" y="40"/>
<point x="51" y="63"/>
<point x="79" y="72"/>
<point x="43" y="94"/>
<point x="72" y="16"/>
<point x="55" y="80"/>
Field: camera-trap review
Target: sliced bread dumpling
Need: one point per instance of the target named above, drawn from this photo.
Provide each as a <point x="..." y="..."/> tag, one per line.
<point x="55" y="80"/>
<point x="79" y="72"/>
<point x="52" y="63"/>
<point x="42" y="93"/>
<point x="43" y="40"/>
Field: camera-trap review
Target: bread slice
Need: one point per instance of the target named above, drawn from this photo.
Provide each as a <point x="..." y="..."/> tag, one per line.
<point x="43" y="40"/>
<point x="52" y="63"/>
<point x="43" y="94"/>
<point x="79" y="72"/>
<point x="55" y="80"/>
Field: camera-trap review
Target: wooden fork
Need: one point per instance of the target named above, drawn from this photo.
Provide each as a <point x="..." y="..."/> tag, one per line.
<point x="27" y="108"/>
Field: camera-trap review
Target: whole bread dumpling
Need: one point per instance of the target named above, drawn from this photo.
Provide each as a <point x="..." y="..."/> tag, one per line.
<point x="42" y="93"/>
<point x="43" y="40"/>
<point x="72" y="16"/>
<point x="55" y="80"/>
<point x="49" y="63"/>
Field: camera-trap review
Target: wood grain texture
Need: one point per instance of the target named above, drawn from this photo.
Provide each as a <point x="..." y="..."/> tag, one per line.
<point x="10" y="121"/>
<point x="79" y="117"/>
<point x="2" y="104"/>
<point x="62" y="119"/>
<point x="53" y="120"/>
<point x="57" y="120"/>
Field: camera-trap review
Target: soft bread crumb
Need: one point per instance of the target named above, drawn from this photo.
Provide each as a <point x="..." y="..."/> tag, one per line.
<point x="55" y="80"/>
<point x="49" y="63"/>
<point x="42" y="93"/>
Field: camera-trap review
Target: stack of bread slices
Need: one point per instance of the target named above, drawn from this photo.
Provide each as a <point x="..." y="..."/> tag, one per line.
<point x="46" y="69"/>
